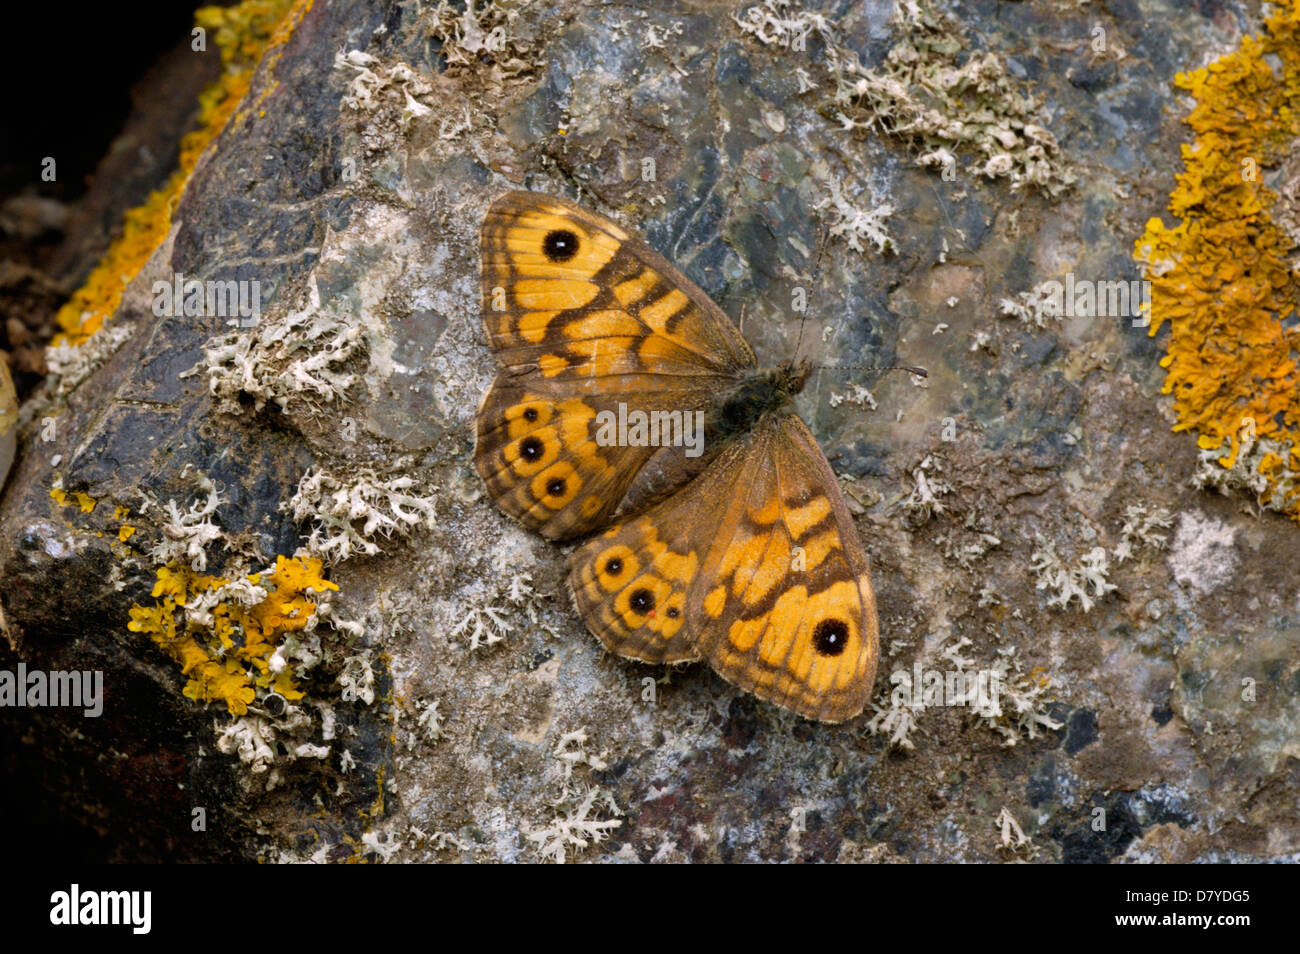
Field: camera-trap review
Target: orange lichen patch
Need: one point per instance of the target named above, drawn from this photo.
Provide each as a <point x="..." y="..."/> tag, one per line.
<point x="1220" y="277"/>
<point x="84" y="501"/>
<point x="244" y="33"/>
<point x="223" y="642"/>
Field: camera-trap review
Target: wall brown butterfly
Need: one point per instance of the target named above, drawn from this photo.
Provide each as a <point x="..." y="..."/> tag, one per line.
<point x="744" y="555"/>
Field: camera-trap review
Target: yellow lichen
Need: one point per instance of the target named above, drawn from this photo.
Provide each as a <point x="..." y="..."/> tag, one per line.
<point x="225" y="648"/>
<point x="244" y="33"/>
<point x="84" y="501"/>
<point x="1220" y="277"/>
<point x="124" y="532"/>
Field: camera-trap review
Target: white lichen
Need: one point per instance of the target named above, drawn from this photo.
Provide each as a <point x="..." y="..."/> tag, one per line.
<point x="187" y="533"/>
<point x="579" y="822"/>
<point x="966" y="549"/>
<point x="1139" y="530"/>
<point x="898" y="720"/>
<point x="485" y="33"/>
<point x="932" y="92"/>
<point x="1035" y="307"/>
<point x="923" y="502"/>
<point x="853" y="223"/>
<point x="384" y="850"/>
<point x="357" y="680"/>
<point x="1012" y="835"/>
<point x="1244" y="474"/>
<point x="509" y="591"/>
<point x="999" y="695"/>
<point x="430" y="722"/>
<point x="783" y="24"/>
<point x="69" y="365"/>
<point x="585" y="813"/>
<point x="303" y="352"/>
<point x="857" y="394"/>
<point x="264" y="743"/>
<point x="1084" y="579"/>
<point x="1019" y="706"/>
<point x="371" y="79"/>
<point x="571" y="751"/>
<point x="349" y="514"/>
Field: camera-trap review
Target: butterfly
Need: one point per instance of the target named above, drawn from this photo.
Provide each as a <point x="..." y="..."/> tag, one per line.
<point x="722" y="537"/>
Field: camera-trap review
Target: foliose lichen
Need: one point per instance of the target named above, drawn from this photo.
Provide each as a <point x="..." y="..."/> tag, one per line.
<point x="1221" y="277"/>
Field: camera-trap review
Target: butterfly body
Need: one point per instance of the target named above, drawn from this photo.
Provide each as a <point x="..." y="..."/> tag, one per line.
<point x="630" y="407"/>
<point x="766" y="391"/>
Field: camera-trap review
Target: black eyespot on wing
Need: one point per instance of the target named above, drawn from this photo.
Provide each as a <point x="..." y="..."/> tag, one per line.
<point x="673" y="612"/>
<point x="530" y="414"/>
<point x="560" y="245"/>
<point x="614" y="566"/>
<point x="530" y="448"/>
<point x="642" y="601"/>
<point x="830" y="637"/>
<point x="555" y="486"/>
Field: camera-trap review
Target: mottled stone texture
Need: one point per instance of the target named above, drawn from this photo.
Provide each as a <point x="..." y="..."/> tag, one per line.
<point x="1054" y="431"/>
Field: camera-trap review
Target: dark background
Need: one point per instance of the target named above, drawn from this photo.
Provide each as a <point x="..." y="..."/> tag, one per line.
<point x="107" y="90"/>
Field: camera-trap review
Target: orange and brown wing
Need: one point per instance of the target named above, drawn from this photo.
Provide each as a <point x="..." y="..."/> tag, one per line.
<point x="540" y="457"/>
<point x="572" y="300"/>
<point x="584" y="317"/>
<point x="755" y="566"/>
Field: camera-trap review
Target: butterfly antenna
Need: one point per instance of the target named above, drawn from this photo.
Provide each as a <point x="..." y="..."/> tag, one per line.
<point x="812" y="281"/>
<point x="919" y="372"/>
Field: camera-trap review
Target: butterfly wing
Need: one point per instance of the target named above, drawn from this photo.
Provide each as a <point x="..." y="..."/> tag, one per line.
<point x="540" y="458"/>
<point x="583" y="316"/>
<point x="761" y="563"/>
<point x="572" y="299"/>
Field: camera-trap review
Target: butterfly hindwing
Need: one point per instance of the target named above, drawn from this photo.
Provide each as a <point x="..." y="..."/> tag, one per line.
<point x="630" y="585"/>
<point x="542" y="463"/>
<point x="754" y="566"/>
<point x="785" y="601"/>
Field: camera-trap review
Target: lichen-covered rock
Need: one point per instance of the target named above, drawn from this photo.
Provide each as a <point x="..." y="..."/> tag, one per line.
<point x="265" y="528"/>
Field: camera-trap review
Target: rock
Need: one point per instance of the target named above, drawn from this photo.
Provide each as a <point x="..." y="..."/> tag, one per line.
<point x="454" y="707"/>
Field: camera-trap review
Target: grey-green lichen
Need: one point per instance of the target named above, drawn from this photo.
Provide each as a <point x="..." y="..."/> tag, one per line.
<point x="932" y="92"/>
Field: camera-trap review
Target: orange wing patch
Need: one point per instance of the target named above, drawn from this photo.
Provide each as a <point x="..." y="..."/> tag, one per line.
<point x="630" y="586"/>
<point x="542" y="465"/>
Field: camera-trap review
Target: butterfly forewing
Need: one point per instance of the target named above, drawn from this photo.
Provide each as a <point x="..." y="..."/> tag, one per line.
<point x="586" y="306"/>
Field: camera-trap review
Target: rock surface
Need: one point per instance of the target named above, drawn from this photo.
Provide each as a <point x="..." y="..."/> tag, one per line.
<point x="489" y="726"/>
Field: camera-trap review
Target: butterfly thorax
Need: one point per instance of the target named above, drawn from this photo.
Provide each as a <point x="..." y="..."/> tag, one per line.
<point x="732" y="414"/>
<point x="760" y="392"/>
